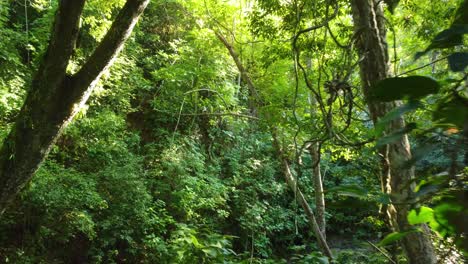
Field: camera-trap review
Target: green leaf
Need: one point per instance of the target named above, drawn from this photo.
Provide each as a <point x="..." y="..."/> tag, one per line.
<point x="395" y="236"/>
<point x="448" y="38"/>
<point x="450" y="216"/>
<point x="430" y="186"/>
<point x="450" y="113"/>
<point x="392" y="4"/>
<point x="195" y="242"/>
<point x="421" y="215"/>
<point x="461" y="17"/>
<point x="323" y="260"/>
<point x="397" y="88"/>
<point x="458" y="61"/>
<point x="210" y="252"/>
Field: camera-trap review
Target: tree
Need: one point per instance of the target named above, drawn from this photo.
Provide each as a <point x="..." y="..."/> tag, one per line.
<point x="317" y="228"/>
<point x="55" y="97"/>
<point x="369" y="27"/>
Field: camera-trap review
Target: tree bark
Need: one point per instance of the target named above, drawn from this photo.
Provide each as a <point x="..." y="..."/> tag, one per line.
<point x="55" y="97"/>
<point x="369" y="27"/>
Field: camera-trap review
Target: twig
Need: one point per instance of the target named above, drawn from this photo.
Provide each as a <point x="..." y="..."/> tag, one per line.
<point x="424" y="66"/>
<point x="381" y="251"/>
<point x="323" y="24"/>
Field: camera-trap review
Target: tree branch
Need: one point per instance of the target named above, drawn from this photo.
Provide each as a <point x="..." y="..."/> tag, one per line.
<point x="242" y="70"/>
<point x="54" y="97"/>
<point x="33" y="134"/>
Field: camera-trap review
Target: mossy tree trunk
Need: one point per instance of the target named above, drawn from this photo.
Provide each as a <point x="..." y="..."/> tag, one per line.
<point x="369" y="27"/>
<point x="54" y="96"/>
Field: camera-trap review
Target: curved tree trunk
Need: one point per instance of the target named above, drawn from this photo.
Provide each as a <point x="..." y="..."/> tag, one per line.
<point x="54" y="97"/>
<point x="289" y="177"/>
<point x="370" y="31"/>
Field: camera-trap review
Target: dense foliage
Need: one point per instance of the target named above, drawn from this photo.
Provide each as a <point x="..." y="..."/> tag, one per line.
<point x="175" y="159"/>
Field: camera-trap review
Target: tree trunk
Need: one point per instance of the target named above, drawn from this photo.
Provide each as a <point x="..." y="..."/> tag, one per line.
<point x="285" y="165"/>
<point x="254" y="97"/>
<point x="314" y="151"/>
<point x="292" y="183"/>
<point x="369" y="27"/>
<point x="465" y="143"/>
<point x="55" y="97"/>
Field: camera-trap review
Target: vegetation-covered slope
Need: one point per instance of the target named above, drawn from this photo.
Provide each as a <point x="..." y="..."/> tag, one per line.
<point x="325" y="131"/>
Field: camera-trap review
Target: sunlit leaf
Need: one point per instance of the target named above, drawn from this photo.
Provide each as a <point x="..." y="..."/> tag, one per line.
<point x="421" y="215"/>
<point x="195" y="242"/>
<point x="210" y="251"/>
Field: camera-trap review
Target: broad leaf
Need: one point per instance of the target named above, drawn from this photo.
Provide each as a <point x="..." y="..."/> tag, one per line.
<point x="451" y="113"/>
<point x="446" y="39"/>
<point x="450" y="216"/>
<point x="421" y="215"/>
<point x="392" y="4"/>
<point x="195" y="242"/>
<point x="461" y="17"/>
<point x="397" y="88"/>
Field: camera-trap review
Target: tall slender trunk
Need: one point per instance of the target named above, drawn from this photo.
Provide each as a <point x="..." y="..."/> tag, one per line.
<point x="314" y="151"/>
<point x="465" y="142"/>
<point x="292" y="183"/>
<point x="254" y="98"/>
<point x="369" y="27"/>
<point x="289" y="177"/>
<point x="55" y="97"/>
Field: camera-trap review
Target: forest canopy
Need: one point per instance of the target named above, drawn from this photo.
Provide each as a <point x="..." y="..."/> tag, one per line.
<point x="240" y="131"/>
